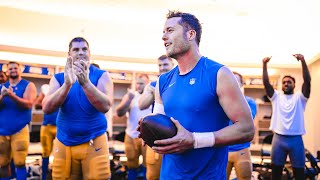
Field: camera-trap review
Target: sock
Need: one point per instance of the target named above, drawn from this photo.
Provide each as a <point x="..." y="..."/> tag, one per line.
<point x="45" y="163"/>
<point x="21" y="173"/>
<point x="13" y="170"/>
<point x="132" y="174"/>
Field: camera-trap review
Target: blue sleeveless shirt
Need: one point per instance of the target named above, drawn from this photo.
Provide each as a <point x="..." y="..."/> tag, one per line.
<point x="253" y="108"/>
<point x="50" y="118"/>
<point x="12" y="117"/>
<point x="78" y="120"/>
<point x="192" y="100"/>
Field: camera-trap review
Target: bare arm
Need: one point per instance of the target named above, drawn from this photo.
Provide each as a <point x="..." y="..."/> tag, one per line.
<point x="306" y="86"/>
<point x="101" y="97"/>
<point x="124" y="105"/>
<point x="236" y="108"/>
<point x="38" y="101"/>
<point x="57" y="94"/>
<point x="267" y="86"/>
<point x="26" y="102"/>
<point x="55" y="97"/>
<point x="147" y="97"/>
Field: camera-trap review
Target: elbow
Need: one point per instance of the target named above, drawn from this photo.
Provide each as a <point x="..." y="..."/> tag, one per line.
<point x="249" y="133"/>
<point x="46" y="110"/>
<point x="106" y="109"/>
<point x="141" y="106"/>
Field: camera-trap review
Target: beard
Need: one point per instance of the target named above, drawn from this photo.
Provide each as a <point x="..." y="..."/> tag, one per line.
<point x="13" y="76"/>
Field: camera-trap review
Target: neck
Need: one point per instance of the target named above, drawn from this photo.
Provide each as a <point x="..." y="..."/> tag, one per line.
<point x="188" y="61"/>
<point x="14" y="82"/>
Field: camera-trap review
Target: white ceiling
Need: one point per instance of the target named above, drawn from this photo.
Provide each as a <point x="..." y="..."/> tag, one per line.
<point x="234" y="32"/>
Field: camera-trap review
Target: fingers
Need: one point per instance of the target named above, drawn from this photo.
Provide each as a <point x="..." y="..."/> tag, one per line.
<point x="172" y="148"/>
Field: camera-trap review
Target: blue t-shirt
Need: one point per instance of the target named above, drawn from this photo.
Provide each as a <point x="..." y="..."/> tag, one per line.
<point x="50" y="118"/>
<point x="253" y="107"/>
<point x="192" y="100"/>
<point x="12" y="117"/>
<point x="78" y="120"/>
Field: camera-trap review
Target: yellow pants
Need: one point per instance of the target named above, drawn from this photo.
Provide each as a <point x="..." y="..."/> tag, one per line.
<point x="47" y="135"/>
<point x="15" y="146"/>
<point x="85" y="161"/>
<point x="133" y="149"/>
<point x="241" y="161"/>
<point x="153" y="163"/>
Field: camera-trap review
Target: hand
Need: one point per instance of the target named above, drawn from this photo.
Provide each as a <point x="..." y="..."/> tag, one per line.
<point x="266" y="59"/>
<point x="6" y="91"/>
<point x="81" y="70"/>
<point x="181" y="142"/>
<point x="69" y="76"/>
<point x="299" y="57"/>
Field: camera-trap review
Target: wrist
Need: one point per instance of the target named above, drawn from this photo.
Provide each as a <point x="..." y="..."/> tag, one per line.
<point x="202" y="140"/>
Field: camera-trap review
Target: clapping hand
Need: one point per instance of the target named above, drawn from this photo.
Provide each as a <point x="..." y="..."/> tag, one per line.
<point x="69" y="76"/>
<point x="81" y="70"/>
<point x="6" y="91"/>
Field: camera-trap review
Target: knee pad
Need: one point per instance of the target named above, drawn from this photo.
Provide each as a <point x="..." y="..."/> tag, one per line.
<point x="99" y="167"/>
<point x="59" y="169"/>
<point x="20" y="153"/>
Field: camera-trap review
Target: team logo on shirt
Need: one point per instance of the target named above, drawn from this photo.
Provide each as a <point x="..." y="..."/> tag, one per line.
<point x="192" y="81"/>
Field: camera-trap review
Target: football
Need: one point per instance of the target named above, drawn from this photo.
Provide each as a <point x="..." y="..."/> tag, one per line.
<point x="156" y="127"/>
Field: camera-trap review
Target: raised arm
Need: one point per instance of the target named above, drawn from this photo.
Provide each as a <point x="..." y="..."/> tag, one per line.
<point x="147" y="97"/>
<point x="265" y="77"/>
<point x="124" y="105"/>
<point x="57" y="94"/>
<point x="29" y="96"/>
<point x="306" y="86"/>
<point x="236" y="108"/>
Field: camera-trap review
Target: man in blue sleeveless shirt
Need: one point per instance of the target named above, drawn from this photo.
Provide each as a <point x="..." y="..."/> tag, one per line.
<point x="239" y="154"/>
<point x="83" y="93"/>
<point x="202" y="95"/>
<point x="153" y="160"/>
<point x="48" y="131"/>
<point x="16" y="101"/>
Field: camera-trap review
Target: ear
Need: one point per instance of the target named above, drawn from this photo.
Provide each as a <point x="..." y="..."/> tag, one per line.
<point x="191" y="35"/>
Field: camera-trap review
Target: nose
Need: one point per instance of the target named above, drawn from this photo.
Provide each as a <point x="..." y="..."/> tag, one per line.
<point x="164" y="36"/>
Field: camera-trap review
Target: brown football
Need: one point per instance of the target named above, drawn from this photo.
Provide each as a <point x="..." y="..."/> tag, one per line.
<point x="156" y="127"/>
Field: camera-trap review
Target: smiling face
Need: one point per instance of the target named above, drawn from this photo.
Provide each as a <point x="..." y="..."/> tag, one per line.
<point x="79" y="50"/>
<point x="175" y="38"/>
<point x="14" y="71"/>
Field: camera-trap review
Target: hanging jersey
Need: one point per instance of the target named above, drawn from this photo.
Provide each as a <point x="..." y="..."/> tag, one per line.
<point x="12" y="117"/>
<point x="78" y="120"/>
<point x="192" y="100"/>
